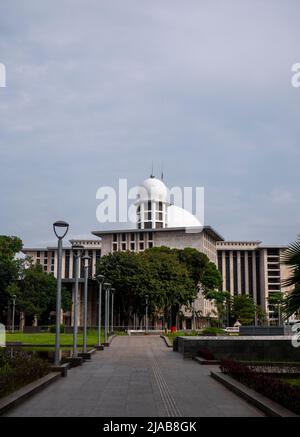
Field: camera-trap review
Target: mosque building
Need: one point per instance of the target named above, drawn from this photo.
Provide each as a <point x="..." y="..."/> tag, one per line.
<point x="247" y="267"/>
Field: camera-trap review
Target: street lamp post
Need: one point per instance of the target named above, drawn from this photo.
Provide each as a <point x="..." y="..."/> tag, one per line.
<point x="77" y="252"/>
<point x="146" y="327"/>
<point x="107" y="286"/>
<point x="13" y="314"/>
<point x="113" y="290"/>
<point x="86" y="262"/>
<point x="60" y="229"/>
<point x="100" y="279"/>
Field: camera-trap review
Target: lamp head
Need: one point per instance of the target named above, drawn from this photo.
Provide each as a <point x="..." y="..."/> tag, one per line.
<point x="86" y="260"/>
<point x="60" y="229"/>
<point x="100" y="279"/>
<point x="113" y="290"/>
<point x="107" y="285"/>
<point x="77" y="249"/>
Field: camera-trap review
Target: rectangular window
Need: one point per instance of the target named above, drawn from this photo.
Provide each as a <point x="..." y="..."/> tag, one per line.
<point x="273" y="273"/>
<point x="38" y="254"/>
<point x="160" y="206"/>
<point x="257" y="267"/>
<point x="273" y="252"/>
<point x="115" y="237"/>
<point x="243" y="276"/>
<point x="273" y="280"/>
<point x="132" y="236"/>
<point x="141" y="246"/>
<point x="123" y="237"/>
<point x="149" y="205"/>
<point x="91" y="264"/>
<point x="148" y="225"/>
<point x="227" y="264"/>
<point x="250" y="273"/>
<point x="273" y="267"/>
<point x="149" y="215"/>
<point x="132" y="246"/>
<point x="115" y="247"/>
<point x="150" y="235"/>
<point x="235" y="273"/>
<point x="158" y="225"/>
<point x="123" y="246"/>
<point x="67" y="263"/>
<point x="272" y="259"/>
<point x="150" y="244"/>
<point x="274" y="287"/>
<point x="141" y="236"/>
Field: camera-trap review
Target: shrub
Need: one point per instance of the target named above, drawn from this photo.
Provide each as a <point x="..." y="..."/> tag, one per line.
<point x="268" y="385"/>
<point x="19" y="368"/>
<point x="52" y="329"/>
<point x="206" y="354"/>
<point x="213" y="331"/>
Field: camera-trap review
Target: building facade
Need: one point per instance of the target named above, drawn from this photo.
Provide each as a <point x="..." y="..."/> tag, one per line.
<point x="247" y="267"/>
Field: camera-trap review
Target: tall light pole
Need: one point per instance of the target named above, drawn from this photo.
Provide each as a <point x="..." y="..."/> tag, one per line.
<point x="100" y="280"/>
<point x="60" y="229"/>
<point x="107" y="286"/>
<point x="86" y="262"/>
<point x="113" y="290"/>
<point x="146" y="327"/>
<point x="13" y="314"/>
<point x="77" y="252"/>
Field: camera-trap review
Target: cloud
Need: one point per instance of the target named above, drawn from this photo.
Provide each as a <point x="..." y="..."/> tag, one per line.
<point x="97" y="90"/>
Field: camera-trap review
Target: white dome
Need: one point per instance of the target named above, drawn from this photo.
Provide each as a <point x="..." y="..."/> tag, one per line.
<point x="153" y="189"/>
<point x="181" y="218"/>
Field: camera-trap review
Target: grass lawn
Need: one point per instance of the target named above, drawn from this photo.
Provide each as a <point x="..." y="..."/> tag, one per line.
<point x="49" y="338"/>
<point x="294" y="382"/>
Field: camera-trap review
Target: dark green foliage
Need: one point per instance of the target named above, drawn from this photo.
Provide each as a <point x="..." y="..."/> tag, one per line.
<point x="19" y="368"/>
<point x="291" y="258"/>
<point x="37" y="294"/>
<point x="272" y="387"/>
<point x="9" y="268"/>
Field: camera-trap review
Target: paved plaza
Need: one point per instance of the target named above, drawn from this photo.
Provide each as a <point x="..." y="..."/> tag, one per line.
<point x="136" y="376"/>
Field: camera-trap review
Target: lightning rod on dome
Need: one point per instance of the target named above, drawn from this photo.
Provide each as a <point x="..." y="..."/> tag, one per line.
<point x="152" y="175"/>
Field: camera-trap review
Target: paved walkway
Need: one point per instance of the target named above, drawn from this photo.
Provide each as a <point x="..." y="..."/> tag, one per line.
<point x="136" y="376"/>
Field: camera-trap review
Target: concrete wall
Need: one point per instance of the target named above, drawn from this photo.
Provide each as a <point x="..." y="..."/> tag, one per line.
<point x="242" y="348"/>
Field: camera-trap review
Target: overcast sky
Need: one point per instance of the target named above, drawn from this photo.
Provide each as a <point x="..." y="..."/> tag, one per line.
<point x="97" y="89"/>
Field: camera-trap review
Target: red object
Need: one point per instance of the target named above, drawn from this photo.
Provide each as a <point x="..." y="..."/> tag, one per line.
<point x="173" y="329"/>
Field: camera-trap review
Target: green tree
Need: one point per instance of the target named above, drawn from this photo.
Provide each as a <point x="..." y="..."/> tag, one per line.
<point x="277" y="300"/>
<point x="223" y="302"/>
<point x="9" y="268"/>
<point x="244" y="309"/>
<point x="291" y="258"/>
<point x="156" y="272"/>
<point x="211" y="278"/>
<point x="37" y="292"/>
<point x="169" y="281"/>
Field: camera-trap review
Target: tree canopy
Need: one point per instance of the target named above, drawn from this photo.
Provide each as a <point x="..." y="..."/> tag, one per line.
<point x="169" y="277"/>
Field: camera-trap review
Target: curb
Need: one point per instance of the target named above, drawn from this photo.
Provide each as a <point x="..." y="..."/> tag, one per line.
<point x="19" y="396"/>
<point x="166" y="340"/>
<point x="203" y="361"/>
<point x="269" y="407"/>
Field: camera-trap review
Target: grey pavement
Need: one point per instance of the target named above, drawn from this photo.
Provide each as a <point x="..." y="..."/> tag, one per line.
<point x="136" y="376"/>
